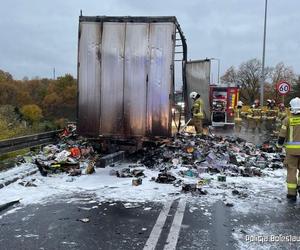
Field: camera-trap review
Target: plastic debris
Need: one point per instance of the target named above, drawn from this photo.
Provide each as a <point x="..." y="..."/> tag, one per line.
<point x="131" y="205"/>
<point x="85" y="220"/>
<point x="222" y="178"/>
<point x="90" y="168"/>
<point x="165" y="178"/>
<point x="137" y="182"/>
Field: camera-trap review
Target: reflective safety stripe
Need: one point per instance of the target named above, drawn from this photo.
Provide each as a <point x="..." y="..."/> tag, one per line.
<point x="291" y="134"/>
<point x="294" y="121"/>
<point x="199" y="115"/>
<point x="292" y="146"/>
<point x="291" y="185"/>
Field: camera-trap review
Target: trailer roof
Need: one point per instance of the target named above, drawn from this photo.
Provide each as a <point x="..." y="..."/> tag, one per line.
<point x="143" y="19"/>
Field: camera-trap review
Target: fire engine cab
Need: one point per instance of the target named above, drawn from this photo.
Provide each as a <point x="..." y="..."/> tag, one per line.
<point x="223" y="100"/>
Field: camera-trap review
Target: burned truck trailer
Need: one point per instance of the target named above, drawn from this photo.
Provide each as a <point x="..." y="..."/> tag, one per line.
<point x="126" y="75"/>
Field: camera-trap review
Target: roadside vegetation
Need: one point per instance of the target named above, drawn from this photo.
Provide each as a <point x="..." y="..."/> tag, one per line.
<point x="248" y="75"/>
<point x="36" y="105"/>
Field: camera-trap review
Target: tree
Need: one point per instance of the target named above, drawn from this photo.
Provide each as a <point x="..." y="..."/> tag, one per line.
<point x="5" y="76"/>
<point x="230" y="76"/>
<point x="247" y="76"/>
<point x="295" y="92"/>
<point x="32" y="113"/>
<point x="8" y="93"/>
<point x="280" y="72"/>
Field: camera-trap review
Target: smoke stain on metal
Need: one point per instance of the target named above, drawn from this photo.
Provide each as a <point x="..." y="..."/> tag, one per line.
<point x="126" y="75"/>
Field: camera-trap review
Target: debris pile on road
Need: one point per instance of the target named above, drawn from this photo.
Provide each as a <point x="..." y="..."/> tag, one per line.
<point x="185" y="161"/>
<point x="192" y="156"/>
<point x="69" y="155"/>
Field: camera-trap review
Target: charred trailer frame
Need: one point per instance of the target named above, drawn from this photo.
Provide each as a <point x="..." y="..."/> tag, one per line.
<point x="126" y="75"/>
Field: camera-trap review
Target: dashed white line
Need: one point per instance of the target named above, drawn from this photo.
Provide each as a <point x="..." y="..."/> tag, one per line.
<point x="176" y="225"/>
<point x="156" y="231"/>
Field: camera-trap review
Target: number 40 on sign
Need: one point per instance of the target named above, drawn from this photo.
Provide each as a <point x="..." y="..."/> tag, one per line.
<point x="283" y="87"/>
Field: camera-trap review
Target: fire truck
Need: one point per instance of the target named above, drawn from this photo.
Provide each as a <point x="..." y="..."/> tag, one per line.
<point x="223" y="101"/>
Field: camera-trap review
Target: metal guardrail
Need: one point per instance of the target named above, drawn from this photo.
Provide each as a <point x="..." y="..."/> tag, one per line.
<point x="22" y="142"/>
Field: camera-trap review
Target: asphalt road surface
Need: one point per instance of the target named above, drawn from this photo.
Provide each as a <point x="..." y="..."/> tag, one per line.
<point x="176" y="224"/>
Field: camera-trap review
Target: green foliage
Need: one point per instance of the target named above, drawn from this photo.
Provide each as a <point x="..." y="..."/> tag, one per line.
<point x="31" y="113"/>
<point x="36" y="105"/>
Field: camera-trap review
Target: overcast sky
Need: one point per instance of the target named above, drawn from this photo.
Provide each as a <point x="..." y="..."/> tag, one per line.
<point x="37" y="35"/>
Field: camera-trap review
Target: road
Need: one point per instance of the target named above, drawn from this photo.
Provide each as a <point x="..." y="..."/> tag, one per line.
<point x="178" y="224"/>
<point x="81" y="221"/>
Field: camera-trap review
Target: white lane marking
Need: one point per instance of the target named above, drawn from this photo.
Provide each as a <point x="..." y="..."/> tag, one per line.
<point x="156" y="231"/>
<point x="176" y="225"/>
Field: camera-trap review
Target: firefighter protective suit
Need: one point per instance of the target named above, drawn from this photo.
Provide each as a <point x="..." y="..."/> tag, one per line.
<point x="238" y="117"/>
<point x="254" y="118"/>
<point x="270" y="118"/>
<point x="281" y="115"/>
<point x="290" y="133"/>
<point x="198" y="115"/>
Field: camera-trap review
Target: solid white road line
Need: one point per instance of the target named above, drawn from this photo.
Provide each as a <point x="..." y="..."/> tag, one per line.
<point x="156" y="231"/>
<point x="176" y="225"/>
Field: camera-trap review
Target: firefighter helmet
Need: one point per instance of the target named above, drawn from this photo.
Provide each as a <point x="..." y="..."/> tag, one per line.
<point x="295" y="105"/>
<point x="194" y="95"/>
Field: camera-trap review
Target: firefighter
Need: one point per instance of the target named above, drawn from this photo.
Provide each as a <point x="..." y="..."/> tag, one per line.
<point x="281" y="115"/>
<point x="254" y="116"/>
<point x="237" y="116"/>
<point x="270" y="116"/>
<point x="281" y="112"/>
<point x="290" y="133"/>
<point x="197" y="112"/>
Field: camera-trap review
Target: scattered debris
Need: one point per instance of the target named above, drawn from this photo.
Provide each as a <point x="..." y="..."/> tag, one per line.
<point x="131" y="205"/>
<point x="222" y="178"/>
<point x="28" y="183"/>
<point x="85" y="220"/>
<point x="228" y="204"/>
<point x="137" y="182"/>
<point x="165" y="177"/>
<point x="186" y="161"/>
<point x="90" y="168"/>
<point x="128" y="172"/>
<point x="193" y="188"/>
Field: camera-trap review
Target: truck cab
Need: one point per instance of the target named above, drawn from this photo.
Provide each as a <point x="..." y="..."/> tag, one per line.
<point x="223" y="100"/>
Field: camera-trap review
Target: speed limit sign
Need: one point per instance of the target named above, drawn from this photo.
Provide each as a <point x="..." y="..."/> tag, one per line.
<point x="283" y="87"/>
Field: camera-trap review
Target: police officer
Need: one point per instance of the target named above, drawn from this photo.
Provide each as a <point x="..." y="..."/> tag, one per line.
<point x="197" y="112"/>
<point x="290" y="133"/>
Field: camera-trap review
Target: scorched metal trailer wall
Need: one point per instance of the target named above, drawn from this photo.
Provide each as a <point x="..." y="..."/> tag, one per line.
<point x="197" y="79"/>
<point x="126" y="75"/>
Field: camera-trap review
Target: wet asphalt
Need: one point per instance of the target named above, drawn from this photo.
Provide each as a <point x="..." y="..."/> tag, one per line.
<point x="112" y="225"/>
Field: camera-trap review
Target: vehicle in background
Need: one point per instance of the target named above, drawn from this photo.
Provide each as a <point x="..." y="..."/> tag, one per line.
<point x="223" y="100"/>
